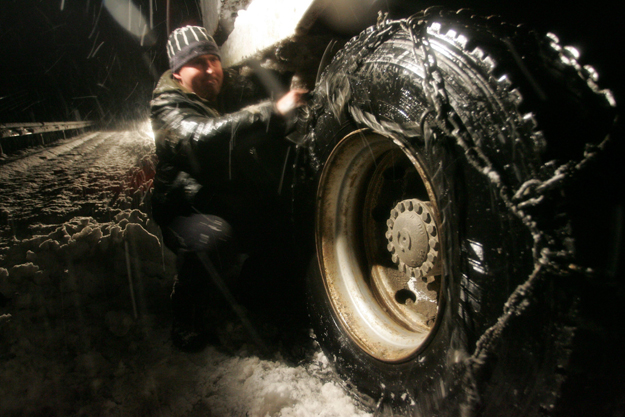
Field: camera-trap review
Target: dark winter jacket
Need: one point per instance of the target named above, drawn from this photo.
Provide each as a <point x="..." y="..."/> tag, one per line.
<point x="206" y="159"/>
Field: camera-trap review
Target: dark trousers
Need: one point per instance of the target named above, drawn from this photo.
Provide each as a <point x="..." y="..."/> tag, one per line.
<point x="196" y="238"/>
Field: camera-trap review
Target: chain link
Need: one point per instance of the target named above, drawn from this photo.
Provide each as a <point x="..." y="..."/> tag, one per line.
<point x="531" y="193"/>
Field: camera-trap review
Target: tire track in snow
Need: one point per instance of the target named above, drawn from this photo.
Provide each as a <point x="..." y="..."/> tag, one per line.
<point x="76" y="177"/>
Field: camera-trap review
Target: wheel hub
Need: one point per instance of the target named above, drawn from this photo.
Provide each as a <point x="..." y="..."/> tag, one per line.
<point x="413" y="238"/>
<point x="385" y="309"/>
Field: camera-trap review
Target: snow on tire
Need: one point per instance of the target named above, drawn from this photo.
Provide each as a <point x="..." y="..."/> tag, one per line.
<point x="444" y="276"/>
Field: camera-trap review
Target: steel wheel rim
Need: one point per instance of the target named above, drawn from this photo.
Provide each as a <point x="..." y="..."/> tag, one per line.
<point x="355" y="274"/>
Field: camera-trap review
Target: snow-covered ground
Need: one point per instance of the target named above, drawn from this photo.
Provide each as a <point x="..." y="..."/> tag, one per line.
<point x="84" y="307"/>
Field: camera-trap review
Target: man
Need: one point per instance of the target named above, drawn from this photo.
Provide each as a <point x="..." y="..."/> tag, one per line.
<point x="209" y="196"/>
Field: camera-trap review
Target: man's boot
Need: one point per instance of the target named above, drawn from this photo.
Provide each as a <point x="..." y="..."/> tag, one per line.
<point x="190" y="330"/>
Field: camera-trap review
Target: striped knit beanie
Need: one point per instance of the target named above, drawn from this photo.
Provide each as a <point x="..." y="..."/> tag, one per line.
<point x="188" y="42"/>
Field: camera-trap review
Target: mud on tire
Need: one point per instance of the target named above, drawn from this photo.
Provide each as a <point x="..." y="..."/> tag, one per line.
<point x="445" y="279"/>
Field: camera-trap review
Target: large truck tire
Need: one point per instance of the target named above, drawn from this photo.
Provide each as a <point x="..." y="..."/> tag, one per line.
<point x="443" y="151"/>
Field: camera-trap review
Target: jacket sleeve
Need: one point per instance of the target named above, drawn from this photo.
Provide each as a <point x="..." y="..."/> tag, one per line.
<point x="185" y="130"/>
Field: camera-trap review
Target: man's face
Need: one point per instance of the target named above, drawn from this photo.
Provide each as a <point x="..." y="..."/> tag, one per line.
<point x="203" y="75"/>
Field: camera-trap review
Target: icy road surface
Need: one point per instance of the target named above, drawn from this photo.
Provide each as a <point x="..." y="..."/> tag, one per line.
<point x="84" y="308"/>
<point x="82" y="175"/>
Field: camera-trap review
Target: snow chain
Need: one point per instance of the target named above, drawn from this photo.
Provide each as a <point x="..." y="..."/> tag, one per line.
<point x="550" y="252"/>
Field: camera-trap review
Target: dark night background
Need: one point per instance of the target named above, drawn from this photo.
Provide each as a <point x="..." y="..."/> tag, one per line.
<point x="71" y="60"/>
<point x="67" y="60"/>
